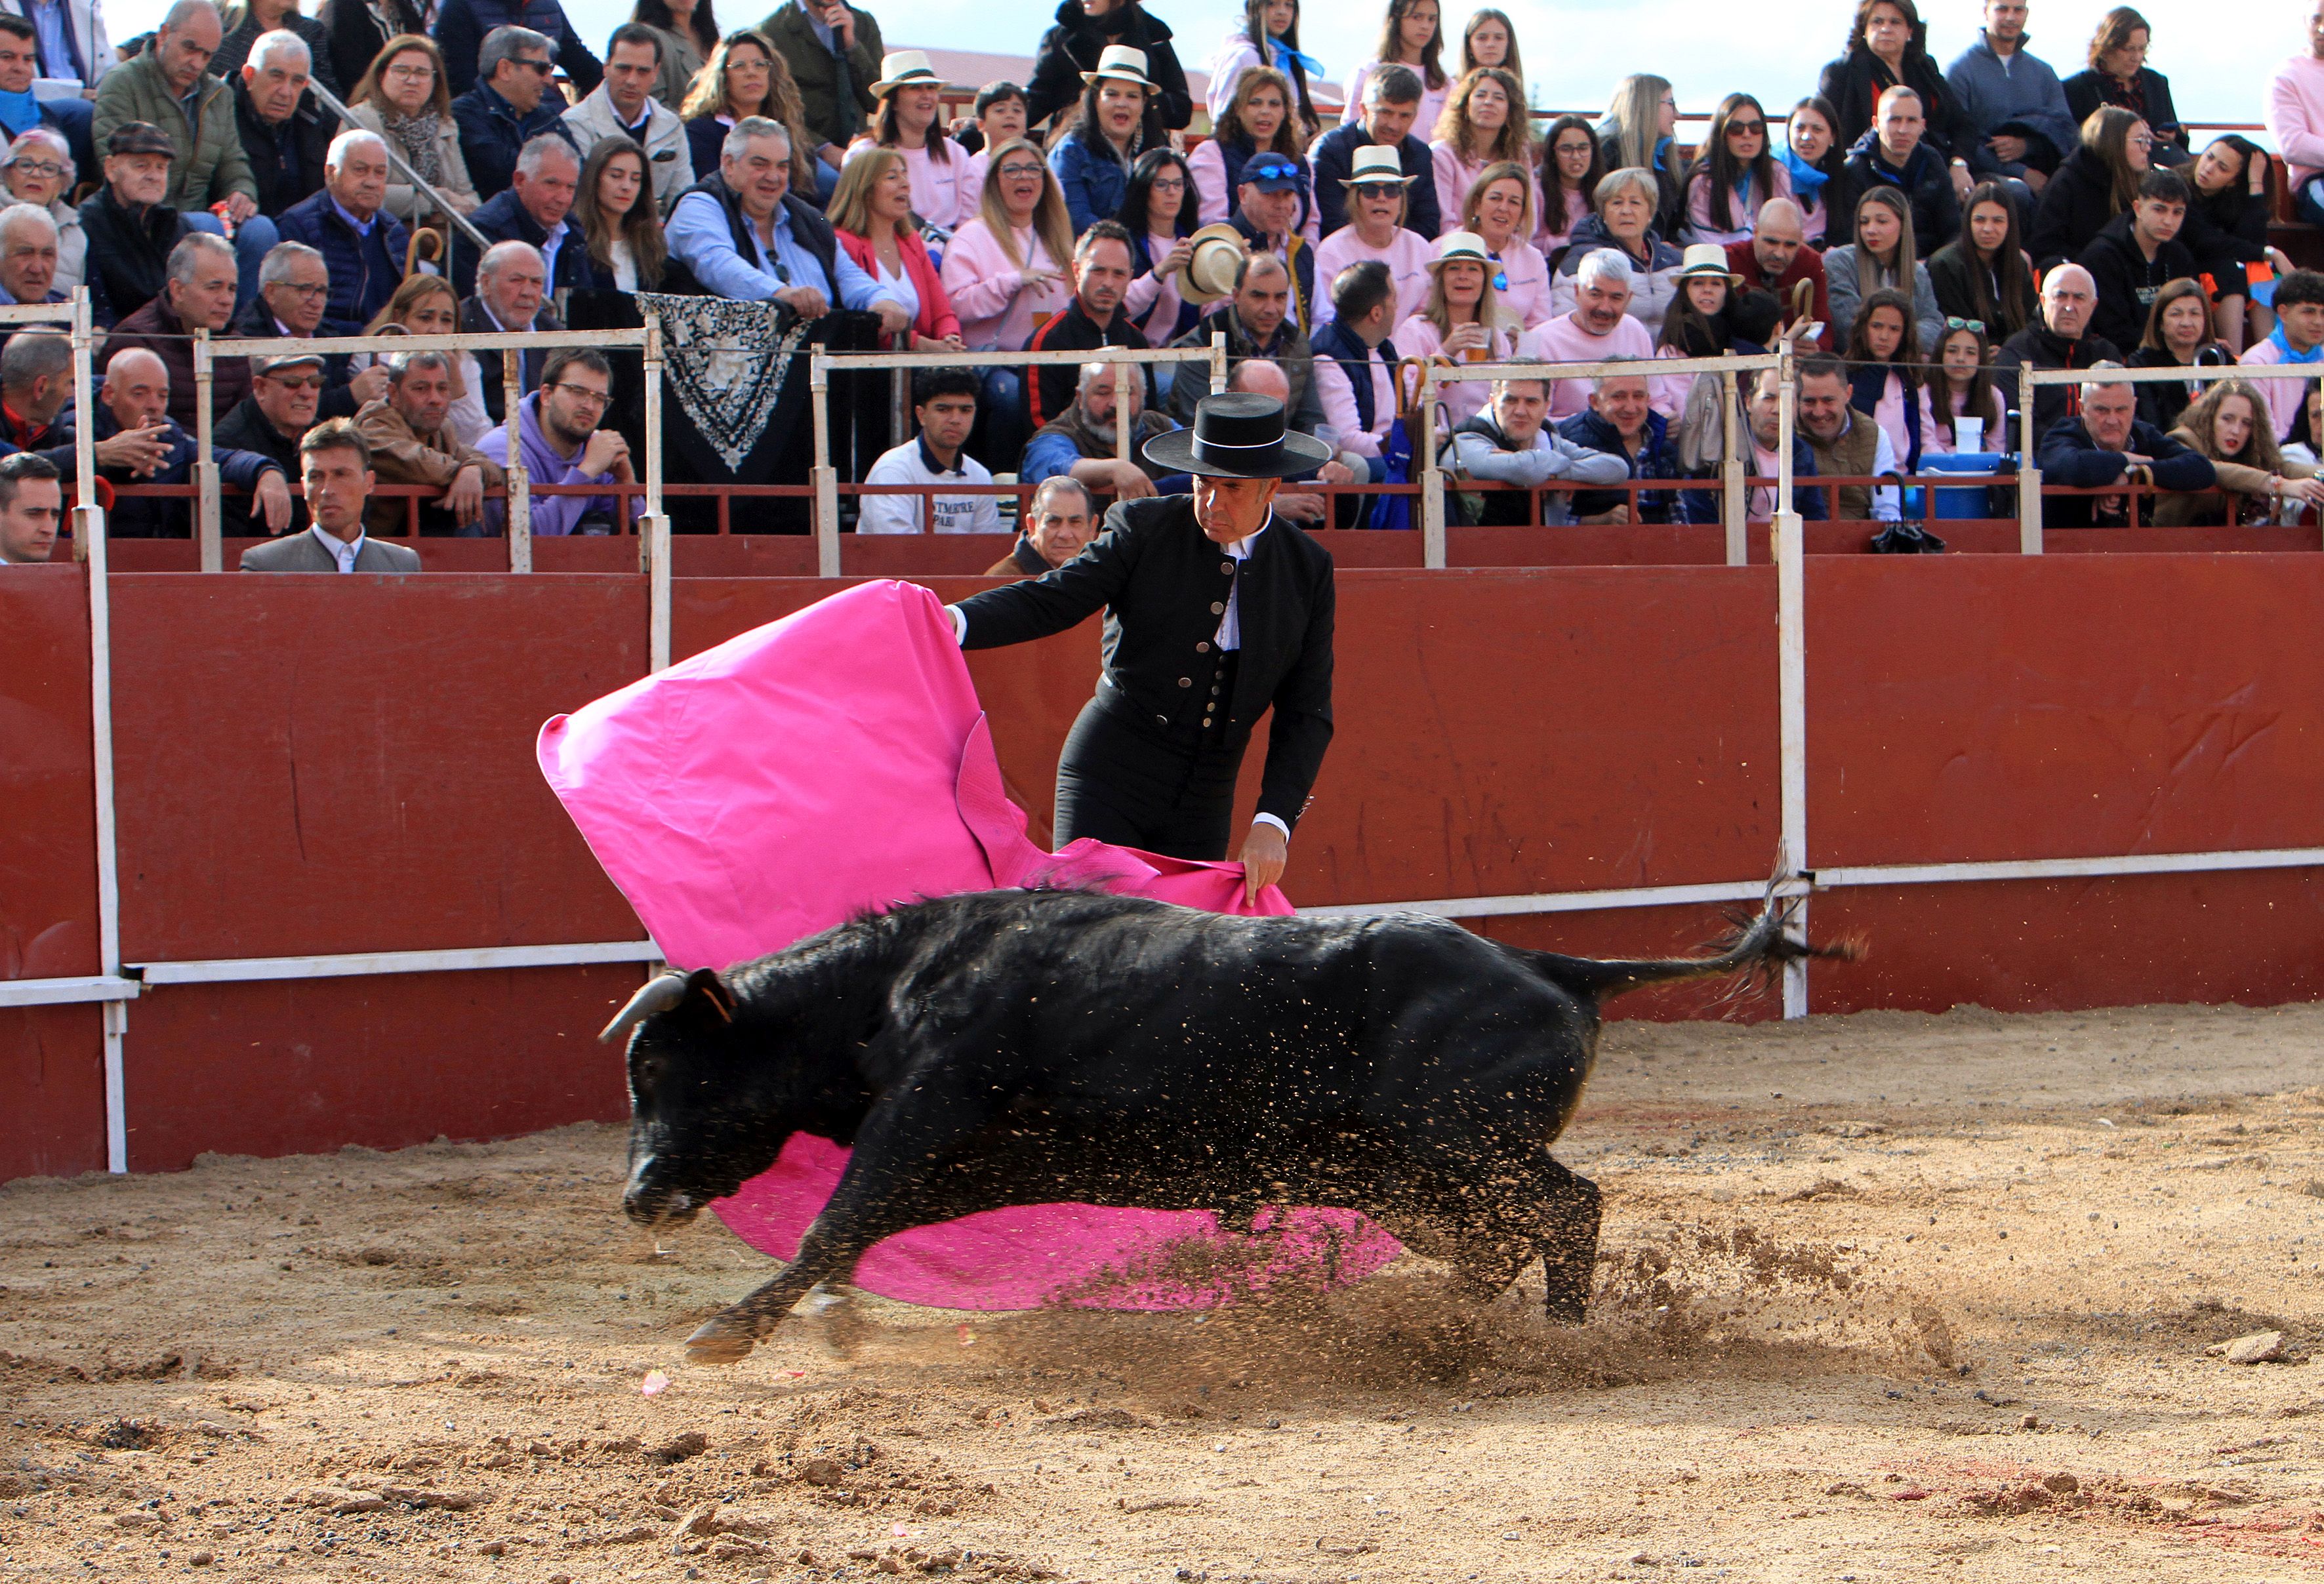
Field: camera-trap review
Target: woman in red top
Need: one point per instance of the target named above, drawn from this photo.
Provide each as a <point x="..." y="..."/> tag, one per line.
<point x="871" y="211"/>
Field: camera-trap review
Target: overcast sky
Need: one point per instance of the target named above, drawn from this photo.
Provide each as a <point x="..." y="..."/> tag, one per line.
<point x="1575" y="49"/>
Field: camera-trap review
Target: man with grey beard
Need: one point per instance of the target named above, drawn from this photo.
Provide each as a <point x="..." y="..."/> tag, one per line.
<point x="1081" y="442"/>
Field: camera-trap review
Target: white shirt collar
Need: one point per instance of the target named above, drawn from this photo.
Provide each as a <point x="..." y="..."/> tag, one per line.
<point x="1241" y="549"/>
<point x="341" y="552"/>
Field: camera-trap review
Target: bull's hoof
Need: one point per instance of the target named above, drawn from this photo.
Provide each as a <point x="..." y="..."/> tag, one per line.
<point x="720" y="1341"/>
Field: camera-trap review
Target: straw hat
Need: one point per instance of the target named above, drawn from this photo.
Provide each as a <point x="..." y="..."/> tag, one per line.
<point x="1704" y="259"/>
<point x="1209" y="270"/>
<point x="1375" y="165"/>
<point x="1457" y="245"/>
<point x="905" y="68"/>
<point x="1237" y="434"/>
<point x="1123" y="63"/>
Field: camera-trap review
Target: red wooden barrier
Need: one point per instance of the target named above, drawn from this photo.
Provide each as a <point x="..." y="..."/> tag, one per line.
<point x="313" y="765"/>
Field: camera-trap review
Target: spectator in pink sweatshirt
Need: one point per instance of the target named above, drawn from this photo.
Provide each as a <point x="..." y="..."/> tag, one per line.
<point x="2295" y="117"/>
<point x="1600" y="327"/>
<point x="2297" y="338"/>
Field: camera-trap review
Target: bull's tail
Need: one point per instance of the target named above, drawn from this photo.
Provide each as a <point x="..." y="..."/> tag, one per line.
<point x="1754" y="952"/>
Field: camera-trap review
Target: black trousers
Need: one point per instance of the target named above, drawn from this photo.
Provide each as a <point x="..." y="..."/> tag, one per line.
<point x="1125" y="780"/>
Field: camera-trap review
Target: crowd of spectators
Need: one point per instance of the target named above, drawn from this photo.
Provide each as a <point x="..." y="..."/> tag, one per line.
<point x="1918" y="231"/>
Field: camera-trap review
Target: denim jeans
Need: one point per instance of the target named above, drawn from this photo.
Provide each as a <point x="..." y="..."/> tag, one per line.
<point x="252" y="240"/>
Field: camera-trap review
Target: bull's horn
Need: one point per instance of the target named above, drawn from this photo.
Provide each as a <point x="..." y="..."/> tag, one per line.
<point x="660" y="993"/>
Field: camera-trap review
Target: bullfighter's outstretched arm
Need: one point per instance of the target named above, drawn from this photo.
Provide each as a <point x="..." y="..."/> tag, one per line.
<point x="1064" y="596"/>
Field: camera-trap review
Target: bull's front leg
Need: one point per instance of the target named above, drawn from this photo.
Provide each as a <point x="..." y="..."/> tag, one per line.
<point x="894" y="1181"/>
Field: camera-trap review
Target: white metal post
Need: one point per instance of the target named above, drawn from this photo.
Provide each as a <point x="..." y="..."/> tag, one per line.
<point x="84" y="350"/>
<point x="520" y="492"/>
<point x="1791" y="681"/>
<point x="2029" y="474"/>
<point x="653" y="418"/>
<point x="1218" y="361"/>
<point x="208" y="527"/>
<point x="88" y="529"/>
<point x="825" y="476"/>
<point x="653" y="548"/>
<point x="1431" y="477"/>
<point x="1735" y="504"/>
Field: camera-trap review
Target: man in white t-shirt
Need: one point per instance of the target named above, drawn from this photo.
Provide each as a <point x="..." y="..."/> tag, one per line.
<point x="943" y="402"/>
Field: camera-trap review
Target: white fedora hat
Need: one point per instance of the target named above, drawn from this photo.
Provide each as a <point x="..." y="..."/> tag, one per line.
<point x="1376" y="164"/>
<point x="1123" y="63"/>
<point x="905" y="68"/>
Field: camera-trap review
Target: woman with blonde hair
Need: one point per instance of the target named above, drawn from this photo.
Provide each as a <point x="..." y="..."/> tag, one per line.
<point x="870" y="211"/>
<point x="1413" y="37"/>
<point x="744" y="77"/>
<point x="1498" y="207"/>
<point x="2091" y="186"/>
<point x="426" y="305"/>
<point x="1007" y="273"/>
<point x="1485" y="123"/>
<point x="613" y="209"/>
<point x="1640" y="133"/>
<point x="1258" y="117"/>
<point x="403" y="97"/>
<point x="2257" y="484"/>
<point x="1462" y="322"/>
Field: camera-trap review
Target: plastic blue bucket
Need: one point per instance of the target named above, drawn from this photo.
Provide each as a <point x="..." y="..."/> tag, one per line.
<point x="1965" y="502"/>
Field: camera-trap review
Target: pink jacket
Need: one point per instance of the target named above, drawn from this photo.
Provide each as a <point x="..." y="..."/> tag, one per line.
<point x="1339" y="399"/>
<point x="1577" y="206"/>
<point x="2296" y="115"/>
<point x="1454" y="176"/>
<point x="1407" y="257"/>
<point x="1417" y="337"/>
<point x="1742" y="208"/>
<point x="2284" y="396"/>
<point x="936" y="318"/>
<point x="1563" y="340"/>
<point x="943" y="193"/>
<point x="1890" y="414"/>
<point x="989" y="293"/>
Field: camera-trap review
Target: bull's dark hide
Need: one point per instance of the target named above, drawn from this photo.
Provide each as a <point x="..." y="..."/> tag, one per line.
<point x="1014" y="1047"/>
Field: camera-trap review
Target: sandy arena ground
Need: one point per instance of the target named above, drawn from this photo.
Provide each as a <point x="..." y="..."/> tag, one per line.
<point x="1884" y="1297"/>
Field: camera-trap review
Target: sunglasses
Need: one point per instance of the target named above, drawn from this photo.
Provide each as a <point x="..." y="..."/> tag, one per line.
<point x="1747" y="129"/>
<point x="1378" y="188"/>
<point x="543" y="67"/>
<point x="1954" y="324"/>
<point x="296" y="382"/>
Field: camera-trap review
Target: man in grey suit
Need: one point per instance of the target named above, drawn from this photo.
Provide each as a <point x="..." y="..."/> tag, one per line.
<point x="335" y="476"/>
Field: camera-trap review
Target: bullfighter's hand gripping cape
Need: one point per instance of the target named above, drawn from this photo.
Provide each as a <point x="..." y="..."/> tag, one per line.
<point x="836" y="762"/>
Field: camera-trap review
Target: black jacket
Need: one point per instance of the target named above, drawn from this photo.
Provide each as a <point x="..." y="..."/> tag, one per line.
<point x="285" y="161"/>
<point x="504" y="219"/>
<point x="128" y="254"/>
<point x="2226" y="230"/>
<point x="1855" y="82"/>
<point x="2162" y="404"/>
<point x="356" y="36"/>
<point x="339" y="400"/>
<point x="2069" y="457"/>
<point x="2148" y="98"/>
<point x="1335" y="157"/>
<point x="246" y="428"/>
<point x="2036" y="345"/>
<point x="234" y="51"/>
<point x="1073" y="45"/>
<point x="2128" y="280"/>
<point x="1926" y="182"/>
<point x="1670" y="205"/>
<point x="1163" y="586"/>
<point x="1049" y="386"/>
<point x="1953" y="275"/>
<point x="2074" y="209"/>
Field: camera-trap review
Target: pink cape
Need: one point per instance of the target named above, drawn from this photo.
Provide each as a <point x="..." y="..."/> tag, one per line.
<point x="836" y="762"/>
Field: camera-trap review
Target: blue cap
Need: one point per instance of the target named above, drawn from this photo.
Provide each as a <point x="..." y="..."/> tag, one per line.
<point x="1271" y="172"/>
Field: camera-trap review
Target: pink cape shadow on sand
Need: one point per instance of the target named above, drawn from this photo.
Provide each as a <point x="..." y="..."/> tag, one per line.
<point x="837" y="761"/>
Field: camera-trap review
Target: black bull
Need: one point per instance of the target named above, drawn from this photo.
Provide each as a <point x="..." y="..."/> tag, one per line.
<point x="1026" y="1047"/>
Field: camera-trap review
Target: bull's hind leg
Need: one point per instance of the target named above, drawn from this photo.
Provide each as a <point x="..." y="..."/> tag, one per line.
<point x="1567" y="1238"/>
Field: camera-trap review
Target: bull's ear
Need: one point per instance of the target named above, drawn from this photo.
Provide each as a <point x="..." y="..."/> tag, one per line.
<point x="705" y="983"/>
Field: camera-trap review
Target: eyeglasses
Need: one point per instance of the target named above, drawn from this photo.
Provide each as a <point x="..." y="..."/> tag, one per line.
<point x="1161" y="183"/>
<point x="37" y="166"/>
<point x="1954" y="324"/>
<point x="308" y="292"/>
<point x="2143" y="141"/>
<point x="597" y="398"/>
<point x="1021" y="170"/>
<point x="424" y="69"/>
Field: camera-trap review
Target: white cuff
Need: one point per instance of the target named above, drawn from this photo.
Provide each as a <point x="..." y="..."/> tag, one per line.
<point x="959" y="625"/>
<point x="1269" y="819"/>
